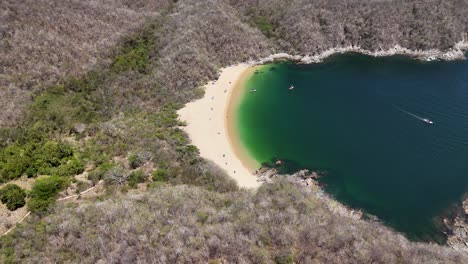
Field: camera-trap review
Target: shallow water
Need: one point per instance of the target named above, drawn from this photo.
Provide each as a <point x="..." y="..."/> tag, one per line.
<point x="347" y="116"/>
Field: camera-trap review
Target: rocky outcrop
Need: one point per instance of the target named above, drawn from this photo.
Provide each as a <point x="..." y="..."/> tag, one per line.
<point x="308" y="179"/>
<point x="458" y="237"/>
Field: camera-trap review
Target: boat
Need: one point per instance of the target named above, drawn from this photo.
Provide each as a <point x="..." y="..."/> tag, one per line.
<point x="291" y="87"/>
<point x="253" y="90"/>
<point x="427" y="121"/>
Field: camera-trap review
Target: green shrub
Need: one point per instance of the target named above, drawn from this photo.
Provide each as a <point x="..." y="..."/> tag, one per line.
<point x="98" y="174"/>
<point x="189" y="153"/>
<point x="12" y="196"/>
<point x="160" y="175"/>
<point x="7" y="249"/>
<point x="133" y="161"/>
<point x="14" y="160"/>
<point x="135" y="178"/>
<point x="51" y="154"/>
<point x="264" y="24"/>
<point x="38" y="206"/>
<point x="59" y="110"/>
<point x="31" y="172"/>
<point x="72" y="167"/>
<point x="33" y="158"/>
<point x="43" y="193"/>
<point x="199" y="92"/>
<point x="167" y="116"/>
<point x="89" y="83"/>
<point x="134" y="56"/>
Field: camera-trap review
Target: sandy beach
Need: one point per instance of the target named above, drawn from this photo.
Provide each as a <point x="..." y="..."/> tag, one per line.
<point x="209" y="119"/>
<point x="210" y="126"/>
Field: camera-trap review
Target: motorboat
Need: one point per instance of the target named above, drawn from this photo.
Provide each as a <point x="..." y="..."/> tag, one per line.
<point x="427" y="121"/>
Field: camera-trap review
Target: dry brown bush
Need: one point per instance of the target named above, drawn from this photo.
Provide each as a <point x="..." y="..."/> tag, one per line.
<point x="307" y="27"/>
<point x="186" y="224"/>
<point x="42" y="41"/>
<point x="45" y="40"/>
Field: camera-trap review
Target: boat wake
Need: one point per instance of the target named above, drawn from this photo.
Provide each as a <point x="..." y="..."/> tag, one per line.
<point x="425" y="120"/>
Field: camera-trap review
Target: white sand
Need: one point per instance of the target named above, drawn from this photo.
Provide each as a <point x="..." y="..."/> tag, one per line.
<point x="208" y="127"/>
<point x="216" y="138"/>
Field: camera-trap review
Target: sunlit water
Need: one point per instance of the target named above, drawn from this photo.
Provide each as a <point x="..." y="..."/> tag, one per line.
<point x="347" y="116"/>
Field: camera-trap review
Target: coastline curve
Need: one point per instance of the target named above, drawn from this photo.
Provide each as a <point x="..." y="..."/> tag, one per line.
<point x="211" y="119"/>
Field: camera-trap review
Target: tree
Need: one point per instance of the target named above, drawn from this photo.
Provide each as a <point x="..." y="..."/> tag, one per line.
<point x="13" y="196"/>
<point x="43" y="193"/>
<point x="160" y="175"/>
<point x="135" y="178"/>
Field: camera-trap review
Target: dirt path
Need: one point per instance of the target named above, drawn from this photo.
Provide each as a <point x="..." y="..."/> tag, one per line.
<point x="61" y="199"/>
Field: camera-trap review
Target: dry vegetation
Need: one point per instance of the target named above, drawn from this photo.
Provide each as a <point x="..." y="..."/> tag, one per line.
<point x="42" y="41"/>
<point x="89" y="84"/>
<point x="45" y="41"/>
<point x="202" y="37"/>
<point x="308" y="27"/>
<point x="280" y="223"/>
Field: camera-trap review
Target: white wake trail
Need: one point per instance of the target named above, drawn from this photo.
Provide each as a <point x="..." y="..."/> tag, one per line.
<point x="411" y="114"/>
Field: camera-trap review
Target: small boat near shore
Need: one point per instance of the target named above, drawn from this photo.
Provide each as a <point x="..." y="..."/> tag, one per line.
<point x="291" y="87"/>
<point x="253" y="90"/>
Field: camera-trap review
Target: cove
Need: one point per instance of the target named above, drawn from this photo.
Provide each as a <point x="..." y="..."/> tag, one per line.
<point x="351" y="117"/>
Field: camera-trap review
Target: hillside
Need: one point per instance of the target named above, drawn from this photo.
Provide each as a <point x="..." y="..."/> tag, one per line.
<point x="307" y="27"/>
<point x="181" y="224"/>
<point x="91" y="88"/>
<point x="43" y="41"/>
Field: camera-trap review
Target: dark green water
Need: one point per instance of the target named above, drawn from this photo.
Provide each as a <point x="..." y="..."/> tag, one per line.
<point x="343" y="117"/>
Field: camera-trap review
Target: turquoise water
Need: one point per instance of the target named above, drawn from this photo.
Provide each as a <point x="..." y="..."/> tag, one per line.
<point x="347" y="117"/>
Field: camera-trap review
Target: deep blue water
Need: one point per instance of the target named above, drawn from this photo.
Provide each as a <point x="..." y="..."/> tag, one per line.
<point x="346" y="116"/>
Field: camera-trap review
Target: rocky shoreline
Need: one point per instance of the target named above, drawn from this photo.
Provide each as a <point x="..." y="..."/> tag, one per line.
<point x="458" y="226"/>
<point x="456" y="53"/>
<point x="457" y="235"/>
<point x="308" y="179"/>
